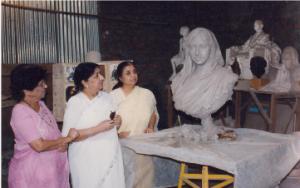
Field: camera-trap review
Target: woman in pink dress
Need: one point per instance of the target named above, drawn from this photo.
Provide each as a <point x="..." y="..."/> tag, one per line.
<point x="40" y="157"/>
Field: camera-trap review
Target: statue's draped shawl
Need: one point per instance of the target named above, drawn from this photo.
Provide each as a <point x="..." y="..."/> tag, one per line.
<point x="200" y="90"/>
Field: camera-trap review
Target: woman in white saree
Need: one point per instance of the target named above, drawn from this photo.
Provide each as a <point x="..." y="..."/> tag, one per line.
<point x="95" y="157"/>
<point x="137" y="107"/>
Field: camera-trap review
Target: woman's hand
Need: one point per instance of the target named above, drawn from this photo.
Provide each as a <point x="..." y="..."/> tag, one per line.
<point x="124" y="134"/>
<point x="117" y="121"/>
<point x="151" y="124"/>
<point x="106" y="125"/>
<point x="73" y="134"/>
<point x="149" y="130"/>
<point x="63" y="148"/>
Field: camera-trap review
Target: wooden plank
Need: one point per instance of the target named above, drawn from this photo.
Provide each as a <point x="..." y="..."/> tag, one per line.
<point x="237" y="109"/>
<point x="170" y="107"/>
<point x="273" y="110"/>
<point x="297" y="123"/>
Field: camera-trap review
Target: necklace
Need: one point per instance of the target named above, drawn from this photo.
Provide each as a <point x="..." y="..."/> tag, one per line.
<point x="42" y="113"/>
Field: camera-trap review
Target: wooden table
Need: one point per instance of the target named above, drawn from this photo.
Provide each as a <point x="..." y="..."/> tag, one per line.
<point x="170" y="106"/>
<point x="291" y="98"/>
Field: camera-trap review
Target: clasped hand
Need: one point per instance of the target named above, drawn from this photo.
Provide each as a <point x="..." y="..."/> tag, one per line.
<point x="72" y="135"/>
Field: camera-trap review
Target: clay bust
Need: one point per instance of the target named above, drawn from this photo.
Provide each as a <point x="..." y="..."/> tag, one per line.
<point x="288" y="75"/>
<point x="290" y="59"/>
<point x="176" y="61"/>
<point x="204" y="84"/>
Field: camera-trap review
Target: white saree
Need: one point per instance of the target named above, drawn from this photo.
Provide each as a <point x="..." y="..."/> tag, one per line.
<point x="95" y="162"/>
<point x="135" y="110"/>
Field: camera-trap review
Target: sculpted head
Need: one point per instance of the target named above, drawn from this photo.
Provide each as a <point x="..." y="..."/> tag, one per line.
<point x="199" y="44"/>
<point x="184" y="31"/>
<point x="290" y="57"/>
<point x="258" y="25"/>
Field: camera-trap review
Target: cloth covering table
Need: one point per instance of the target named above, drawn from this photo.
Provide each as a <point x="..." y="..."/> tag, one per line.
<point x="256" y="159"/>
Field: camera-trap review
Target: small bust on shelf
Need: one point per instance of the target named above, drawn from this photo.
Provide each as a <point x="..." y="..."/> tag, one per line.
<point x="288" y="74"/>
<point x="290" y="58"/>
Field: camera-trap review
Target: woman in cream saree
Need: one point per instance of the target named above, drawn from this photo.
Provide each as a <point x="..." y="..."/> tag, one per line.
<point x="95" y="158"/>
<point x="137" y="107"/>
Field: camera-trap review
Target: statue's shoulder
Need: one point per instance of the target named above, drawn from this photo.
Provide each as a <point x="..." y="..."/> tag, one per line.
<point x="265" y="35"/>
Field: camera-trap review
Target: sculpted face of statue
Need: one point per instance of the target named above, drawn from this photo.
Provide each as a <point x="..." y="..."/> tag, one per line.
<point x="258" y="25"/>
<point x="184" y="31"/>
<point x="199" y="48"/>
<point x="289" y="58"/>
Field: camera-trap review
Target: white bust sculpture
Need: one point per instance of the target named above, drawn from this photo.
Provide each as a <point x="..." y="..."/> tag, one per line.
<point x="204" y="84"/>
<point x="290" y="58"/>
<point x="259" y="44"/>
<point x="179" y="58"/>
<point x="288" y="74"/>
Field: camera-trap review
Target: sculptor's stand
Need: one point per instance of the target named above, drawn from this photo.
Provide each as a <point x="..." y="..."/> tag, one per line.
<point x="204" y="176"/>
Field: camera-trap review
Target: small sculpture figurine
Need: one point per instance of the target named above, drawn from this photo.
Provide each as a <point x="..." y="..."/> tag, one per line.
<point x="177" y="60"/>
<point x="258" y="44"/>
<point x="290" y="58"/>
<point x="259" y="39"/>
<point x="204" y="84"/>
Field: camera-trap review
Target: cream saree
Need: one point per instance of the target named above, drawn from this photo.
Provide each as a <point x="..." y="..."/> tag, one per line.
<point x="95" y="162"/>
<point x="136" y="110"/>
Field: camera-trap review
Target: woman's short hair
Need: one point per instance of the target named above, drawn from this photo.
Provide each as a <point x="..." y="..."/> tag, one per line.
<point x="25" y="77"/>
<point x="119" y="71"/>
<point x="83" y="72"/>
